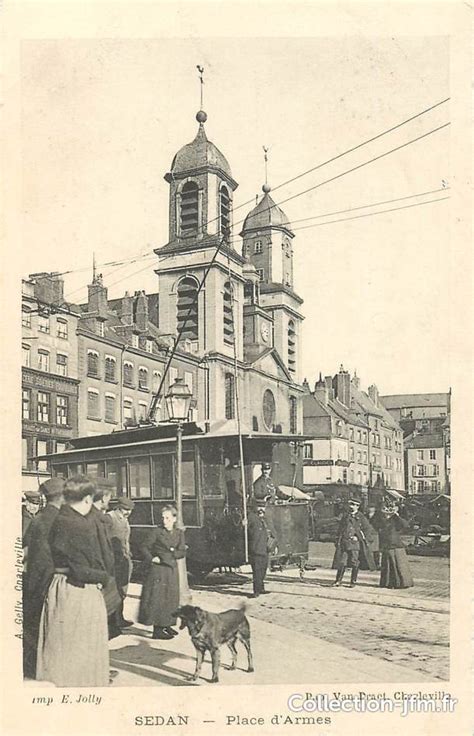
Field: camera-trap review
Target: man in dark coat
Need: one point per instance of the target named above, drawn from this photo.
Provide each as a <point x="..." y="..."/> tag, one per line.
<point x="264" y="489"/>
<point x="29" y="510"/>
<point x="103" y="525"/>
<point x="259" y="535"/>
<point x="120" y="537"/>
<point x="40" y="570"/>
<point x="354" y="535"/>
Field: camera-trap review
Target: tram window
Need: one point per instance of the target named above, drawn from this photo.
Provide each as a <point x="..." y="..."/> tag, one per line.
<point x="116" y="473"/>
<point x="188" y="477"/>
<point x="163" y="476"/>
<point x="141" y="515"/>
<point x="212" y="480"/>
<point x="75" y="469"/>
<point x="95" y="470"/>
<point x="190" y="516"/>
<point x="140" y="478"/>
<point x="60" y="471"/>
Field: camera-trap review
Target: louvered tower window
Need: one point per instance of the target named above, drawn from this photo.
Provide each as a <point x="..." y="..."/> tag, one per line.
<point x="228" y="315"/>
<point x="224" y="210"/>
<point x="189" y="208"/>
<point x="187" y="308"/>
<point x="291" y="346"/>
<point x="229" y="396"/>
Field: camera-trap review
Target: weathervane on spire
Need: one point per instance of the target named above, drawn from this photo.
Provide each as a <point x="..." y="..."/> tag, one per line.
<point x="201" y="117"/>
<point x="266" y="188"/>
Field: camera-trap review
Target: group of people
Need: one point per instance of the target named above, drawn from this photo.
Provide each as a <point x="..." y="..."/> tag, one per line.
<point x="375" y="542"/>
<point x="77" y="568"/>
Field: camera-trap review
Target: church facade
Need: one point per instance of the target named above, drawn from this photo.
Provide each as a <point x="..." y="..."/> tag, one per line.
<point x="245" y="322"/>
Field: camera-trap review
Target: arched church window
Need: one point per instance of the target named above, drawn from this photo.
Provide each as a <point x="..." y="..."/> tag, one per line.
<point x="224" y="210"/>
<point x="228" y="316"/>
<point x="293" y="414"/>
<point x="229" y="396"/>
<point x="187" y="312"/>
<point x="268" y="409"/>
<point x="291" y="346"/>
<point x="189" y="208"/>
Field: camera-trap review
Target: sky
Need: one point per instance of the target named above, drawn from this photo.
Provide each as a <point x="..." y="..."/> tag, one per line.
<point x="102" y="119"/>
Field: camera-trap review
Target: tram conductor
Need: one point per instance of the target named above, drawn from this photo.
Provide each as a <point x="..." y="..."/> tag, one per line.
<point x="264" y="489"/>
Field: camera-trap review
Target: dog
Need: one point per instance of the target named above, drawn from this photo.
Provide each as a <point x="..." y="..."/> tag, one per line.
<point x="208" y="631"/>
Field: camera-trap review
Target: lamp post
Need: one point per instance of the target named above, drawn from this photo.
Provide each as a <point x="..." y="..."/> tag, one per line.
<point x="178" y="400"/>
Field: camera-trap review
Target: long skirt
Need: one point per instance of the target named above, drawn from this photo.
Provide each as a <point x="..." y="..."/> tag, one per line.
<point x="395" y="570"/>
<point x="160" y="596"/>
<point x="73" y="639"/>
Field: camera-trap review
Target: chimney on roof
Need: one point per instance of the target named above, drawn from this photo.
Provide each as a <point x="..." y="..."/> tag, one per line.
<point x="126" y="309"/>
<point x="306" y="386"/>
<point x="48" y="287"/>
<point x="342" y="386"/>
<point x="328" y="382"/>
<point x="141" y="310"/>
<point x="97" y="297"/>
<point x="355" y="381"/>
<point x="374" y="394"/>
<point x="321" y="390"/>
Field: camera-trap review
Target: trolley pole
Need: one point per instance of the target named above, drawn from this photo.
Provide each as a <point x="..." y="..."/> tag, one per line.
<point x="184" y="592"/>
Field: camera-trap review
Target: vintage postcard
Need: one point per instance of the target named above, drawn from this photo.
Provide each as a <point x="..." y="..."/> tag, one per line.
<point x="237" y="368"/>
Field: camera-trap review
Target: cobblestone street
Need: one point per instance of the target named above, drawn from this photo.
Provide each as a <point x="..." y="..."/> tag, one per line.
<point x="406" y="627"/>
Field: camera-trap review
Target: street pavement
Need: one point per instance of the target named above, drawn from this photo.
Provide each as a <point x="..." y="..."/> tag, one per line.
<point x="282" y="654"/>
<point x="306" y="631"/>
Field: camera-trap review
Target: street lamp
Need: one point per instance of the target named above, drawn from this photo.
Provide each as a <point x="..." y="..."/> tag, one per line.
<point x="178" y="400"/>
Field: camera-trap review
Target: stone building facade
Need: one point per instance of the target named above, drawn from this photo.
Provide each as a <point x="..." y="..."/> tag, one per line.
<point x="356" y="441"/>
<point x="49" y="374"/>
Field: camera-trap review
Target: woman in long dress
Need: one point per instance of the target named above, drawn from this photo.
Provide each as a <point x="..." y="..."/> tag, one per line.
<point x="73" y="641"/>
<point x="160" y="593"/>
<point x="395" y="571"/>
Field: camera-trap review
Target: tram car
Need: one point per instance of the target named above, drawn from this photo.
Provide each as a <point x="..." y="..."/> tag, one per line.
<point x="142" y="463"/>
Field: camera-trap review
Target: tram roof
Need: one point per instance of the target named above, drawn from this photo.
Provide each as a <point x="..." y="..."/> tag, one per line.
<point x="150" y="435"/>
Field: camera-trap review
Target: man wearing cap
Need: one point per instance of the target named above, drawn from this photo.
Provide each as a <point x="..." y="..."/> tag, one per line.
<point x="40" y="570"/>
<point x="29" y="509"/>
<point x="259" y="536"/>
<point x="264" y="488"/>
<point x="120" y="537"/>
<point x="354" y="533"/>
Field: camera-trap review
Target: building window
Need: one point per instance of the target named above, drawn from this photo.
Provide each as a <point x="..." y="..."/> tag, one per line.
<point x="359" y="436"/>
<point x="127" y="410"/>
<point x="62" y="330"/>
<point x="365" y="457"/>
<point x="258" y="248"/>
<point x="100" y="328"/>
<point x="143" y="378"/>
<point x="43" y="407"/>
<point x="187" y="308"/>
<point x="189" y="214"/>
<point x="293" y="415"/>
<point x="156" y="381"/>
<point x="229" y="396"/>
<point x="351" y="434"/>
<point x="43" y="323"/>
<point x="432" y="454"/>
<point x="419" y="454"/>
<point x="224" y="210"/>
<point x="142" y="411"/>
<point x="228" y="314"/>
<point x="110" y="366"/>
<point x="61" y="364"/>
<point x="128" y="374"/>
<point x="268" y="409"/>
<point x="260" y="273"/>
<point x="110" y="415"/>
<point x="93" y="404"/>
<point x="189" y="381"/>
<point x="308" y="451"/>
<point x="291" y="346"/>
<point x="62" y="410"/>
<point x="359" y="456"/>
<point x="43" y="360"/>
<point x="42" y="449"/>
<point x="26" y="355"/>
<point x="92" y="363"/>
<point x="351" y="453"/>
<point x="149" y="346"/>
<point x="135" y="342"/>
<point x="173" y="373"/>
<point x="24" y="452"/>
<point x="25" y="404"/>
<point x="25" y="316"/>
<point x="60" y="446"/>
<point x="339" y="428"/>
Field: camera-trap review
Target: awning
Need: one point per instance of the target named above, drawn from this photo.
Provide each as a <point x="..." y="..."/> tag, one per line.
<point x="395" y="494"/>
